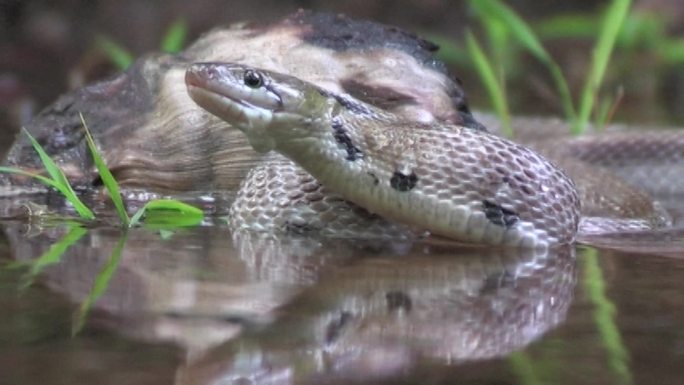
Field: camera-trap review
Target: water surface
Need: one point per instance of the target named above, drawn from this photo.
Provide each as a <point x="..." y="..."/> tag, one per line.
<point x="211" y="306"/>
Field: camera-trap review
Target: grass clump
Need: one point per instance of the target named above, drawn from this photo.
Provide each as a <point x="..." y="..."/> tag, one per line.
<point x="612" y="22"/>
<point x="106" y="176"/>
<point x="161" y="213"/>
<point x="501" y="24"/>
<point x="172" y="42"/>
<point x="57" y="179"/>
<point x="493" y="83"/>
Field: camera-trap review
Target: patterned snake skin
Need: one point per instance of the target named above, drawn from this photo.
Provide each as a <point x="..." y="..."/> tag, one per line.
<point x="450" y="180"/>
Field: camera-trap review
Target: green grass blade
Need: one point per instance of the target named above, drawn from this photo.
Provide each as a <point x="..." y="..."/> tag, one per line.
<point x="577" y="26"/>
<point x="449" y="51"/>
<point x="106" y="176"/>
<point x="563" y="91"/>
<point x="602" y="113"/>
<point x="643" y="29"/>
<point x="100" y="285"/>
<point x="607" y="108"/>
<point x="672" y="52"/>
<point x="54" y="254"/>
<point x="613" y="21"/>
<point x="174" y="40"/>
<point x="487" y="75"/>
<point x="114" y="51"/>
<point x="524" y="368"/>
<point x="60" y="181"/>
<point x="168" y="213"/>
<point x="488" y="9"/>
<point x="11" y="170"/>
<point x="135" y="219"/>
<point x="604" y="317"/>
<point x="174" y="205"/>
<point x="518" y="28"/>
<point x="499" y="42"/>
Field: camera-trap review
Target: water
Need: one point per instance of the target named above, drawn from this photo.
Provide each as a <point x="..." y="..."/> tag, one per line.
<point x="207" y="306"/>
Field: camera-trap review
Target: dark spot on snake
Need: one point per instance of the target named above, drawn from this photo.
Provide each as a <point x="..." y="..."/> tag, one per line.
<point x="298" y="228"/>
<point x="398" y="300"/>
<point x="341" y="137"/>
<point x="334" y="328"/>
<point x="401" y="182"/>
<point x="375" y="178"/>
<point x="499" y="215"/>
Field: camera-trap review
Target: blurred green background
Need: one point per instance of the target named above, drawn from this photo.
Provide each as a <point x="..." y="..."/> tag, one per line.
<point x="49" y="47"/>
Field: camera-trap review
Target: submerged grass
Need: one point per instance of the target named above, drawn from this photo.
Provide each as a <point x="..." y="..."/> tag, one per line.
<point x="52" y="256"/>
<point x="100" y="285"/>
<point x="162" y="214"/>
<point x="604" y="317"/>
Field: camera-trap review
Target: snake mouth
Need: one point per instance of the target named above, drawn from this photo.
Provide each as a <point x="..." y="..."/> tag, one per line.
<point x="231" y="110"/>
<point x="216" y="90"/>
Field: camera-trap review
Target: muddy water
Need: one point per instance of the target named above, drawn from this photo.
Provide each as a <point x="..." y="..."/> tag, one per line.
<point x="207" y="306"/>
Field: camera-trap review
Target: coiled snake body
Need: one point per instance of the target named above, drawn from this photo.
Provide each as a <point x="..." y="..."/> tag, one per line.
<point x="450" y="180"/>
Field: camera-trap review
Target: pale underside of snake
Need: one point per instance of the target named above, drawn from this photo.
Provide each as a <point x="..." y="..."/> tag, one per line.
<point x="446" y="179"/>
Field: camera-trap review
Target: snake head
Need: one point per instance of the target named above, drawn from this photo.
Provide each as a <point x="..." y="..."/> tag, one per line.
<point x="266" y="106"/>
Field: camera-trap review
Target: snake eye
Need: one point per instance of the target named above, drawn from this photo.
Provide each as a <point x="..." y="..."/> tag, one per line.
<point x="253" y="79"/>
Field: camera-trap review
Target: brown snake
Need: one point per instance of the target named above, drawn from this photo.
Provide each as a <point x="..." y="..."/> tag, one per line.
<point x="450" y="180"/>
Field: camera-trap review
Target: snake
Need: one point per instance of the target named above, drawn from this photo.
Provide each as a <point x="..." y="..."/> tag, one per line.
<point x="448" y="180"/>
